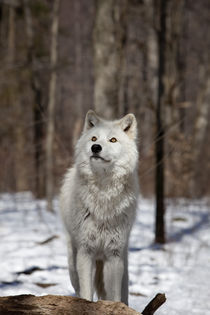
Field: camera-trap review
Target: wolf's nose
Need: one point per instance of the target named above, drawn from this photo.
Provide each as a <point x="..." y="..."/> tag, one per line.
<point x="96" y="148"/>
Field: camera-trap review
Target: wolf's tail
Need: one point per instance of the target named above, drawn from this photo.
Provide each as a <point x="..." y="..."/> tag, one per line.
<point x="99" y="280"/>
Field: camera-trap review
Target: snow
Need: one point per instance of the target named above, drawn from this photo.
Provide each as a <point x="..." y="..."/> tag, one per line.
<point x="33" y="258"/>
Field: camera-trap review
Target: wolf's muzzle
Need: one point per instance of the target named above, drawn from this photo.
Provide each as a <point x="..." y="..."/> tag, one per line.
<point x="96" y="148"/>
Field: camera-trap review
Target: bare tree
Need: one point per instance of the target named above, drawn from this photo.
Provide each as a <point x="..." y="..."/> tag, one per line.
<point x="37" y="101"/>
<point x="201" y="131"/>
<point x="11" y="35"/>
<point x="14" y="100"/>
<point x="109" y="41"/>
<point x="79" y="95"/>
<point x="159" y="179"/>
<point x="51" y="106"/>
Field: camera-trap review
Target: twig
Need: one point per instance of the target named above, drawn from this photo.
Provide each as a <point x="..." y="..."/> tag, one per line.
<point x="153" y="305"/>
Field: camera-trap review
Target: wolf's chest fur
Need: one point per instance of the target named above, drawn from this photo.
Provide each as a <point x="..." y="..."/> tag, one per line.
<point x="105" y="201"/>
<point x="103" y="237"/>
<point x="107" y="213"/>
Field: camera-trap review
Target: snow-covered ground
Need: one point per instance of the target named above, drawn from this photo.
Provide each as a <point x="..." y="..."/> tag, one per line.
<point x="33" y="254"/>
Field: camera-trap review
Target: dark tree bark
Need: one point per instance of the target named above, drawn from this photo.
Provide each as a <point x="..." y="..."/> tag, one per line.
<point x="159" y="179"/>
<point x="38" y="107"/>
<point x="50" y="133"/>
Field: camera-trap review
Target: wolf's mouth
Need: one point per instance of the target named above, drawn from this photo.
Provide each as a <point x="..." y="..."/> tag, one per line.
<point x="98" y="157"/>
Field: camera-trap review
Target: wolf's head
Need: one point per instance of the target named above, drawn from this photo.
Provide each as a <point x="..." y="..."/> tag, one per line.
<point x="107" y="146"/>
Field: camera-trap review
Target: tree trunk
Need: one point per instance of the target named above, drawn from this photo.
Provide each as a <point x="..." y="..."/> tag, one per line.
<point x="109" y="41"/>
<point x="51" y="107"/>
<point x="38" y="108"/>
<point x="11" y="35"/>
<point x="201" y="130"/>
<point x="159" y="180"/>
<point x="14" y="101"/>
<point x="79" y="95"/>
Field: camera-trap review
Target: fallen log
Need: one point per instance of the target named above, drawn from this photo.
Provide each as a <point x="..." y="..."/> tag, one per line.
<point x="66" y="305"/>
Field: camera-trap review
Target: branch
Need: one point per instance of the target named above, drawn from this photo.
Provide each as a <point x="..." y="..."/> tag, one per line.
<point x="153" y="305"/>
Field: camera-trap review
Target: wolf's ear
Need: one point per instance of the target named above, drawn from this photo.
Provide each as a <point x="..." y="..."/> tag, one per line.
<point x="91" y="120"/>
<point x="129" y="125"/>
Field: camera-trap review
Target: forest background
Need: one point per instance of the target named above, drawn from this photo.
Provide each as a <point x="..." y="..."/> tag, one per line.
<point x="60" y="58"/>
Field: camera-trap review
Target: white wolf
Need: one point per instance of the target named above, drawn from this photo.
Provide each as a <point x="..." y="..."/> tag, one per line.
<point x="98" y="205"/>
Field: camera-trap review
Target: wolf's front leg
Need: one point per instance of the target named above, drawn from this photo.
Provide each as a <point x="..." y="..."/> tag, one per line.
<point x="85" y="273"/>
<point x="113" y="274"/>
<point x="124" y="291"/>
<point x="72" y="265"/>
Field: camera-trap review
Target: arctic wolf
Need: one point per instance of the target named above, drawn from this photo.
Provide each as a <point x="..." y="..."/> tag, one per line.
<point x="98" y="205"/>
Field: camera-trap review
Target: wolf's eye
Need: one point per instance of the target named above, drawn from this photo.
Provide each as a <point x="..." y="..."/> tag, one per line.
<point x="113" y="140"/>
<point x="94" y="139"/>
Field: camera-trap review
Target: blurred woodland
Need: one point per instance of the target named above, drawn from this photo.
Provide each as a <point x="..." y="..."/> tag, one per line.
<point x="60" y="58"/>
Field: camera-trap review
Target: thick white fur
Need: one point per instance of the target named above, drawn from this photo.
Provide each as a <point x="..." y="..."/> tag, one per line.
<point x="98" y="205"/>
